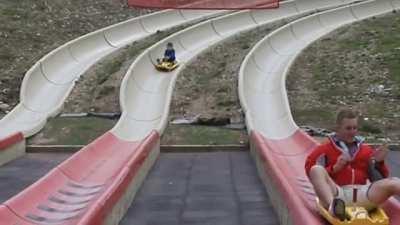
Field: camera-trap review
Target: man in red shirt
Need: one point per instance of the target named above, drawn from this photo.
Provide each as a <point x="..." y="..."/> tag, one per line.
<point x="340" y="169"/>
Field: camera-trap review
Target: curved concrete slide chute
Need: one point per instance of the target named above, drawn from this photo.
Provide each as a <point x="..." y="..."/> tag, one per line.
<point x="306" y="30"/>
<point x="145" y="92"/>
<point x="329" y="19"/>
<point x="60" y="67"/>
<point x="143" y="83"/>
<point x="303" y="6"/>
<point x="48" y="83"/>
<point x="263" y="86"/>
<point x="203" y="36"/>
<point x="278" y="120"/>
<point x="123" y="33"/>
<point x="21" y="119"/>
<point x="372" y="8"/>
<point x="148" y="88"/>
<point x="42" y="95"/>
<point x="90" y="48"/>
<point x="154" y="23"/>
<point x="232" y="24"/>
<point x="295" y="8"/>
<point x="279" y="146"/>
<point x="274" y="58"/>
<point x="256" y="81"/>
<point x="284" y="43"/>
<point x="396" y="4"/>
<point x="142" y="95"/>
<point x="151" y="99"/>
<point x="36" y="102"/>
<point x="157" y="52"/>
<point x="189" y="14"/>
<point x="285" y="10"/>
<point x="131" y="129"/>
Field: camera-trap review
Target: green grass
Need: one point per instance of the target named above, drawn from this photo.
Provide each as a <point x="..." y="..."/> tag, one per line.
<point x="386" y="33"/>
<point x="377" y="110"/>
<point x="108" y="68"/>
<point x="202" y="135"/>
<point x="354" y="44"/>
<point x="369" y="127"/>
<point x="72" y="131"/>
<point x="375" y="44"/>
<point x="106" y="90"/>
<point x="388" y="45"/>
<point x="10" y="12"/>
<point x="382" y="35"/>
<point x="318" y="115"/>
<point x="393" y="63"/>
<point x="82" y="131"/>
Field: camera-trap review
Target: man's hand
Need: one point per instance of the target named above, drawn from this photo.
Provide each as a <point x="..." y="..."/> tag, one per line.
<point x="341" y="162"/>
<point x="381" y="152"/>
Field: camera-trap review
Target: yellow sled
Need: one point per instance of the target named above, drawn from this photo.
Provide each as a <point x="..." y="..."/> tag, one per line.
<point x="165" y="66"/>
<point x="356" y="216"/>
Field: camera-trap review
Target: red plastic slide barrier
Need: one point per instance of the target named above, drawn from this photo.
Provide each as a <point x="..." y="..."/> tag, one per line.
<point x="11" y="140"/>
<point x="283" y="161"/>
<point x="83" y="189"/>
<point x="205" y="4"/>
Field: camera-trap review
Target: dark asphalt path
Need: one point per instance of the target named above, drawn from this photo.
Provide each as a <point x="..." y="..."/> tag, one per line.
<point x="214" y="188"/>
<point x="16" y="175"/>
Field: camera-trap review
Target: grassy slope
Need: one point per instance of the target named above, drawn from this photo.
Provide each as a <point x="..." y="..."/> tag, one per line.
<point x="81" y="131"/>
<point x="342" y="68"/>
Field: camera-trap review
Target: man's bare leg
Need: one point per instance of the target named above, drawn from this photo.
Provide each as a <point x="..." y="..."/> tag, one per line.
<point x="383" y="189"/>
<point x="324" y="186"/>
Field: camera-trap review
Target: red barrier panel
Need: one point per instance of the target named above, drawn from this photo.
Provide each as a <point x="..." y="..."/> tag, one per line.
<point x="7" y="216"/>
<point x="29" y="204"/>
<point x="120" y="184"/>
<point x="84" y="188"/>
<point x="100" y="160"/>
<point x="283" y="161"/>
<point x="392" y="209"/>
<point x="284" y="176"/>
<point x="11" y="140"/>
<point x="205" y="4"/>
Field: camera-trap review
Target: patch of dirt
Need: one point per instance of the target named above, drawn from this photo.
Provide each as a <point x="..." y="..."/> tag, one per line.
<point x="97" y="90"/>
<point x="30" y="29"/>
<point x="202" y="135"/>
<point x="355" y="66"/>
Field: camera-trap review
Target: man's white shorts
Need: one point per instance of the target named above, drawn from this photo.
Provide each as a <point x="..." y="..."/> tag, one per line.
<point x="356" y="195"/>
